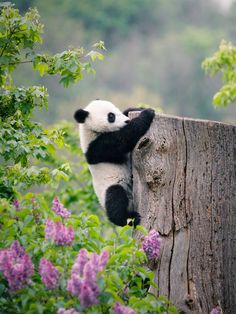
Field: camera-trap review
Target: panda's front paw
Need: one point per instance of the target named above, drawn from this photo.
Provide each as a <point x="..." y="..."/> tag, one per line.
<point x="149" y="114"/>
<point x="135" y="218"/>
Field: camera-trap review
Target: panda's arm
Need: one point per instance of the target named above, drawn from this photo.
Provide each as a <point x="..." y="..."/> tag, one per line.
<point x="113" y="146"/>
<point x="129" y="135"/>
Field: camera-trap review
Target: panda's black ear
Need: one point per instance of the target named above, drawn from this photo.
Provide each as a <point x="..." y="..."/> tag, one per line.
<point x="81" y="115"/>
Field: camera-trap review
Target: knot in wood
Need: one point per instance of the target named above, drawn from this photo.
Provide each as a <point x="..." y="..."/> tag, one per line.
<point x="189" y="301"/>
<point x="155" y="179"/>
<point x="144" y="143"/>
<point x="162" y="147"/>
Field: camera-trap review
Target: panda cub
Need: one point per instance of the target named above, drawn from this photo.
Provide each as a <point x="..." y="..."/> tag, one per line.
<point x="107" y="137"/>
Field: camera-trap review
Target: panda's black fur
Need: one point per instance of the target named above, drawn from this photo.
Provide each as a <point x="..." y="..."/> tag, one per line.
<point x="107" y="139"/>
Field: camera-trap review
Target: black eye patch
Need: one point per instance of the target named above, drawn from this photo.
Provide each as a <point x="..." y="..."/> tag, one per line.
<point x="111" y="117"/>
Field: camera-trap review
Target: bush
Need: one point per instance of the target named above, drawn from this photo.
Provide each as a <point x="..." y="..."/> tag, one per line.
<point x="75" y="264"/>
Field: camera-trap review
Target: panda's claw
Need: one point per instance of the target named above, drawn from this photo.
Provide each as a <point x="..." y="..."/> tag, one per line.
<point x="149" y="113"/>
<point x="136" y="218"/>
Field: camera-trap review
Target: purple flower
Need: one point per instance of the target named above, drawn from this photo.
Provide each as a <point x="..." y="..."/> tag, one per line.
<point x="63" y="235"/>
<point x="90" y="280"/>
<point x="49" y="229"/>
<point x="74" y="284"/>
<point x="16" y="266"/>
<point x="151" y="245"/>
<point x="100" y="260"/>
<point x="17" y="250"/>
<point x="49" y="274"/>
<point x="215" y="311"/>
<point x="81" y="259"/>
<point x="69" y="311"/>
<point x="16" y="204"/>
<point x="88" y="295"/>
<point x="59" y="209"/>
<point x="58" y="233"/>
<point x="122" y="309"/>
<point x="83" y="280"/>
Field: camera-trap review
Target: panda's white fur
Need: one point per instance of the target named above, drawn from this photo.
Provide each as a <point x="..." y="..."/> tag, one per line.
<point x="107" y="138"/>
<point x="104" y="174"/>
<point x="96" y="122"/>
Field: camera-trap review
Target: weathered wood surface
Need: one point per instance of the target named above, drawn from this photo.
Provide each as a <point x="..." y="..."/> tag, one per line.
<point x="184" y="181"/>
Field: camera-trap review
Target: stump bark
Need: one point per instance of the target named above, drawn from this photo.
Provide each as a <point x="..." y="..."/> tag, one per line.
<point x="184" y="185"/>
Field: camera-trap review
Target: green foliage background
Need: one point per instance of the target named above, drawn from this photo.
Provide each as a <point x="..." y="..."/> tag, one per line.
<point x="154" y="53"/>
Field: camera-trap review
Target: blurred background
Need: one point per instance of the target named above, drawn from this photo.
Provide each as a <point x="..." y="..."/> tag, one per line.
<point x="154" y="53"/>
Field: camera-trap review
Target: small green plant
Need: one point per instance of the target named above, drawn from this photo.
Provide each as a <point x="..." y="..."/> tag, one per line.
<point x="223" y="61"/>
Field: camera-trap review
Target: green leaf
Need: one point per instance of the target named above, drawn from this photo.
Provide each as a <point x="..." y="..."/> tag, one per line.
<point x="172" y="309"/>
<point x="42" y="68"/>
<point x="114" y="276"/>
<point x="94" y="220"/>
<point x="60" y="175"/>
<point x="94" y="55"/>
<point x="142" y="229"/>
<point x="100" y="45"/>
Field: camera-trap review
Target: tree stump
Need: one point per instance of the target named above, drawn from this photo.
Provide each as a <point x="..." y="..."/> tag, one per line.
<point x="184" y="185"/>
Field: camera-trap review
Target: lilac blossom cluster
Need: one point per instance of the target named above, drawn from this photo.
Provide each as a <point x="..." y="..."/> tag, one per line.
<point x="122" y="309"/>
<point x="16" y="204"/>
<point x="49" y="274"/>
<point x="83" y="280"/>
<point x="58" y="233"/>
<point x="16" y="266"/>
<point x="69" y="311"/>
<point x="215" y="311"/>
<point x="59" y="209"/>
<point x="151" y="245"/>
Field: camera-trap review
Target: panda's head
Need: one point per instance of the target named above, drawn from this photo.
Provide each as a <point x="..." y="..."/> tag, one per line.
<point x="101" y="116"/>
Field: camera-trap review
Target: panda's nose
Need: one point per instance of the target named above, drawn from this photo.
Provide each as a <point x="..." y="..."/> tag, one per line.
<point x="127" y="121"/>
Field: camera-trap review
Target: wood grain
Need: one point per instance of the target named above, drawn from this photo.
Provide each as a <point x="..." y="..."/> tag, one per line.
<point x="184" y="185"/>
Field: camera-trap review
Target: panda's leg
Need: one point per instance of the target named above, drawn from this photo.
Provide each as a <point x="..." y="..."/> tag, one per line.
<point x="117" y="206"/>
